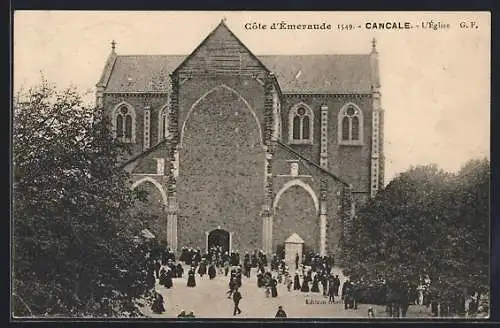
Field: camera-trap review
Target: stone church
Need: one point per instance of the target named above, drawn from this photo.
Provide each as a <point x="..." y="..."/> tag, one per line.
<point x="244" y="150"/>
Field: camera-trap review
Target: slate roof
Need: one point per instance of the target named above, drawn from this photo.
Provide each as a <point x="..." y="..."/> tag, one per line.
<point x="322" y="74"/>
<point x="142" y="73"/>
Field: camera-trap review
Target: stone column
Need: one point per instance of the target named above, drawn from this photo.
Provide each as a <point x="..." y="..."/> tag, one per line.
<point x="267" y="232"/>
<point x="172" y="223"/>
<point x="323" y="160"/>
<point x="270" y="108"/>
<point x="323" y="220"/>
<point x="147" y="128"/>
<point x="170" y="163"/>
<point x="375" y="179"/>
<point x="377" y="137"/>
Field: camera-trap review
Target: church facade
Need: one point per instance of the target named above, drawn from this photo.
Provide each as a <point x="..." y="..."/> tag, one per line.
<point x="245" y="150"/>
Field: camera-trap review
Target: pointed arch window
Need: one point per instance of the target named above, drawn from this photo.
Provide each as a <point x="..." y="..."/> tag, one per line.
<point x="124" y="122"/>
<point x="163" y="123"/>
<point x="350" y="125"/>
<point x="301" y="120"/>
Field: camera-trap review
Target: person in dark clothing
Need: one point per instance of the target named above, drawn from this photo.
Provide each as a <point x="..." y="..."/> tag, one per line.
<point x="211" y="271"/>
<point x="163" y="277"/>
<point x="324" y="283"/>
<point x="305" y="284"/>
<point x="180" y="270"/>
<point x="315" y="284"/>
<point x="297" y="260"/>
<point x="260" y="280"/>
<point x="191" y="282"/>
<point x="331" y="292"/>
<point x="274" y="290"/>
<point x="168" y="279"/>
<point x="281" y="313"/>
<point x="296" y="282"/>
<point x="247" y="266"/>
<point x="236" y="299"/>
<point x="202" y="269"/>
<point x="348" y="294"/>
<point x="157" y="269"/>
<point x="158" y="306"/>
<point x="336" y="284"/>
<point x="232" y="287"/>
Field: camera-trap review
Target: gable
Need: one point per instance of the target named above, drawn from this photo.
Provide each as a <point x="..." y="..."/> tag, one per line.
<point x="285" y="153"/>
<point x="221" y="53"/>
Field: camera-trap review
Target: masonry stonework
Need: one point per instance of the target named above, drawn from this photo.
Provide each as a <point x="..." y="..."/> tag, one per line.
<point x="227" y="162"/>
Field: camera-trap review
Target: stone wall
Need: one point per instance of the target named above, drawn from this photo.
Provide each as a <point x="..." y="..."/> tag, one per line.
<point x="221" y="175"/>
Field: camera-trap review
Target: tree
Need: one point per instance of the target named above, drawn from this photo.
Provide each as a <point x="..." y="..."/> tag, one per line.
<point x="426" y="222"/>
<point x="73" y="248"/>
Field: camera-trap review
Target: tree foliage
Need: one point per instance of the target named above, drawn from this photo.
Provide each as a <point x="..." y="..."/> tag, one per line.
<point x="426" y="222"/>
<point x="73" y="248"/>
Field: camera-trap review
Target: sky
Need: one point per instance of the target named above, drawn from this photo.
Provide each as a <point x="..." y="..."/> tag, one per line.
<point x="435" y="83"/>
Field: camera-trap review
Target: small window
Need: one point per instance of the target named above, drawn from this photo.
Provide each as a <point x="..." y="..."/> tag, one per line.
<point x="124" y="123"/>
<point x="350" y="127"/>
<point x="301" y="124"/>
<point x="163" y="123"/>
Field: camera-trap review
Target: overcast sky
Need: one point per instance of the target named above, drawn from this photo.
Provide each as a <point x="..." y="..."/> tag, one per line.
<point x="435" y="84"/>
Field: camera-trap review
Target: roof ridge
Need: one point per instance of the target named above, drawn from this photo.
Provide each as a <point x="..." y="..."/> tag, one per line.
<point x="257" y="55"/>
<point x="141" y="154"/>
<point x="151" y="55"/>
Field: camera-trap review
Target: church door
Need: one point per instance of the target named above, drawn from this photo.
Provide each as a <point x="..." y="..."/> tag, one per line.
<point x="219" y="237"/>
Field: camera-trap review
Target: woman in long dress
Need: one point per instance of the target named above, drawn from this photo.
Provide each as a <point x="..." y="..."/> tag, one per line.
<point x="274" y="290"/>
<point x="296" y="281"/>
<point x="158" y="306"/>
<point x="191" y="282"/>
<point x="202" y="269"/>
<point x="163" y="277"/>
<point x="305" y="284"/>
<point x="211" y="271"/>
<point x="168" y="279"/>
<point x="315" y="286"/>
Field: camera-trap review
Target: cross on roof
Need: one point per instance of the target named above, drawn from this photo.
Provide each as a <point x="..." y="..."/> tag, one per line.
<point x="374" y="43"/>
<point x="113" y="45"/>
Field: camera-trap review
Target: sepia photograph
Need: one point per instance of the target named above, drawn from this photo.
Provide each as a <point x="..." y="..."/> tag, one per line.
<point x="187" y="165"/>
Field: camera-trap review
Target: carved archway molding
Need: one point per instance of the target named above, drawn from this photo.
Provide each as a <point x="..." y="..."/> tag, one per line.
<point x="206" y="94"/>
<point x="156" y="184"/>
<point x="300" y="183"/>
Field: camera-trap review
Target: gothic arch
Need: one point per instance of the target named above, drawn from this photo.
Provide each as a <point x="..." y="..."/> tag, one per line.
<point x="222" y="86"/>
<point x="300" y="183"/>
<point x="309" y="114"/>
<point x="340" y="119"/>
<point x="156" y="184"/>
<point x="131" y="111"/>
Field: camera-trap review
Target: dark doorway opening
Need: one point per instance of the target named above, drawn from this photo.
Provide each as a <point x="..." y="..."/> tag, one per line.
<point x="219" y="237"/>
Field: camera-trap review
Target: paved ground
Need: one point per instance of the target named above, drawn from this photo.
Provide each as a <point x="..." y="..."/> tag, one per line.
<point x="208" y="300"/>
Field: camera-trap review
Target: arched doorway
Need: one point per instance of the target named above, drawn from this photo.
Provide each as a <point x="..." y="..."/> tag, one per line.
<point x="219" y="237"/>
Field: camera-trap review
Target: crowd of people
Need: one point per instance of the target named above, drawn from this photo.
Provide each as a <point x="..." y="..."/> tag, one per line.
<point x="312" y="275"/>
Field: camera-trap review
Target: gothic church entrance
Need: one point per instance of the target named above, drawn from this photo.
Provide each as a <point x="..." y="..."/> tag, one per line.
<point x="219" y="237"/>
<point x="221" y="170"/>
